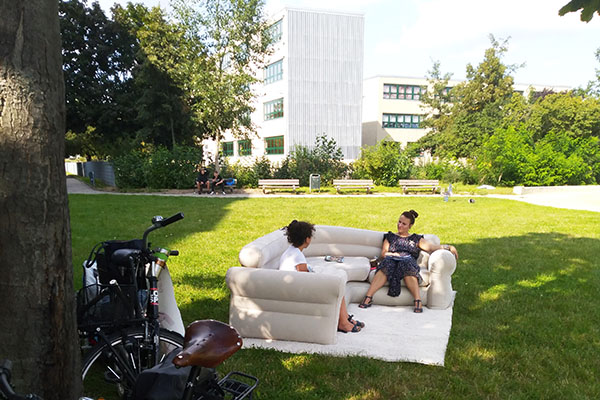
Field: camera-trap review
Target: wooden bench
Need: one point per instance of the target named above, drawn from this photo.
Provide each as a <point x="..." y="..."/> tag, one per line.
<point x="278" y="184"/>
<point x="419" y="184"/>
<point x="353" y="184"/>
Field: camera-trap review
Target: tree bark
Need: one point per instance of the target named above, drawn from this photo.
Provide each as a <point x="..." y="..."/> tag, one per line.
<point x="37" y="303"/>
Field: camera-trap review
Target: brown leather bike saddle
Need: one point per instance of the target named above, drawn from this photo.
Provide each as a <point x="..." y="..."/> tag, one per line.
<point x="208" y="343"/>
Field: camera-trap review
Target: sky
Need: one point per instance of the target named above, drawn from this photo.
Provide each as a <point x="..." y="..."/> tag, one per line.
<point x="405" y="37"/>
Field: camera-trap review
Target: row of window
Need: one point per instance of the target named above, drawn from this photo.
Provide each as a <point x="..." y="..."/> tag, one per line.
<point x="406" y="92"/>
<point x="273" y="145"/>
<point x="406" y="121"/>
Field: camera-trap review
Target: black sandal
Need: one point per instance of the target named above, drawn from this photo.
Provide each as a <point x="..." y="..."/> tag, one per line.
<point x="361" y="324"/>
<point x="355" y="329"/>
<point x="364" y="303"/>
<point x="418" y="306"/>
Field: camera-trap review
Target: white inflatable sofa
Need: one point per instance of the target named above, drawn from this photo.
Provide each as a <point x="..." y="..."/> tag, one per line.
<point x="301" y="306"/>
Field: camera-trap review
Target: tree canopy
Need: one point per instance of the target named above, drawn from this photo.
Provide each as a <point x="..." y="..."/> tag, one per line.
<point x="587" y="7"/>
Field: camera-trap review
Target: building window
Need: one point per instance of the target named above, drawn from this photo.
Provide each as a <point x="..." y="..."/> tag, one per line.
<point x="274" y="145"/>
<point x="275" y="31"/>
<point x="405" y="121"/>
<point x="402" y="92"/>
<point x="227" y="148"/>
<point x="244" y="148"/>
<point x="274" y="72"/>
<point x="274" y="109"/>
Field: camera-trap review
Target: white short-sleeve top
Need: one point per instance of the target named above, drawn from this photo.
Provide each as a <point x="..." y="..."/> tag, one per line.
<point x="291" y="258"/>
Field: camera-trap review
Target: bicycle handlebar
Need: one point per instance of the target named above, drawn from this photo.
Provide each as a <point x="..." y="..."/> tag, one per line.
<point x="159" y="222"/>
<point x="171" y="219"/>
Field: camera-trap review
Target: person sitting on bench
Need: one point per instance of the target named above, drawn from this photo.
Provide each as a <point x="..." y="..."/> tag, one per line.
<point x="202" y="180"/>
<point x="217" y="181"/>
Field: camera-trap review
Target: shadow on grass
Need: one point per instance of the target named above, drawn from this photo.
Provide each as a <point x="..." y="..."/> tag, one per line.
<point x="525" y="313"/>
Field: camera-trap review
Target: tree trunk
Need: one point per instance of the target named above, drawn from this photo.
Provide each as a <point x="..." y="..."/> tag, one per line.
<point x="37" y="303"/>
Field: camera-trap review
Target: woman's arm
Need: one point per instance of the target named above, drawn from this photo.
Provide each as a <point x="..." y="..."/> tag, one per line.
<point x="302" y="267"/>
<point x="431" y="247"/>
<point x="385" y="248"/>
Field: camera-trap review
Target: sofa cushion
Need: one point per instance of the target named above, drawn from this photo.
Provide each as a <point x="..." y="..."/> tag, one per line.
<point x="265" y="251"/>
<point x="357" y="268"/>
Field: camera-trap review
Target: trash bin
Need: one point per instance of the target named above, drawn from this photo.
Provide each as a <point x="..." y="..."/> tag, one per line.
<point x="315" y="182"/>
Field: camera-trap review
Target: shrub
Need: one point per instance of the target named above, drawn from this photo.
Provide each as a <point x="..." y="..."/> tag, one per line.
<point x="130" y="169"/>
<point x="385" y="163"/>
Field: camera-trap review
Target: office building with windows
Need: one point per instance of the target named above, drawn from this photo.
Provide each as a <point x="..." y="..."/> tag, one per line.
<point x="311" y="85"/>
<point x="392" y="109"/>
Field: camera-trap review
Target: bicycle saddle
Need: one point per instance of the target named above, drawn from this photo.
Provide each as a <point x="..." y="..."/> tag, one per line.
<point x="124" y="256"/>
<point x="208" y="343"/>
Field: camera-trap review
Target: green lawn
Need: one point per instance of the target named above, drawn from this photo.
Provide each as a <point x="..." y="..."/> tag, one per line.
<point x="526" y="324"/>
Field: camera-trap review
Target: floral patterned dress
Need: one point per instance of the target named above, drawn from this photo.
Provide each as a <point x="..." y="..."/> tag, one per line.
<point x="397" y="267"/>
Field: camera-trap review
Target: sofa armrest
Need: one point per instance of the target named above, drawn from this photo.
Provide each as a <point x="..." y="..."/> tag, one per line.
<point x="284" y="285"/>
<point x="285" y="305"/>
<point x="442" y="265"/>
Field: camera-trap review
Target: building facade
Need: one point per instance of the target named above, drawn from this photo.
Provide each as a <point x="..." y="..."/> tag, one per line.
<point x="311" y="86"/>
<point x="392" y="107"/>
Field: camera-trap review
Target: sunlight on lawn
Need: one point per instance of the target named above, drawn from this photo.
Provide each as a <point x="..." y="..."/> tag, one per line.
<point x="292" y="363"/>
<point x="540" y="280"/>
<point x="493" y="293"/>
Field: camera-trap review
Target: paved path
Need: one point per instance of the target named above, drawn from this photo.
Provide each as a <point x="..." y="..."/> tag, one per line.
<point x="575" y="201"/>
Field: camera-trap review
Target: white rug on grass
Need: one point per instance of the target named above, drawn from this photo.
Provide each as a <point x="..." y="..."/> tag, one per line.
<point x="391" y="334"/>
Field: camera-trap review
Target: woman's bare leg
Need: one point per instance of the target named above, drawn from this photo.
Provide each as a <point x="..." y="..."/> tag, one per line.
<point x="378" y="281"/>
<point x="412" y="284"/>
<point x="343" y="322"/>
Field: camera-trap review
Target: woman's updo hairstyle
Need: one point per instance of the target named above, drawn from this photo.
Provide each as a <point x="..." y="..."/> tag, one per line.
<point x="298" y="231"/>
<point x="411" y="215"/>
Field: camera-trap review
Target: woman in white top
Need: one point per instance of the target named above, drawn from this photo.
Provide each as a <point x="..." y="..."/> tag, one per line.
<point x="299" y="234"/>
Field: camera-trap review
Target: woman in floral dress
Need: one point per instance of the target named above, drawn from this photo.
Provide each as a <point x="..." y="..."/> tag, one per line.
<point x="399" y="253"/>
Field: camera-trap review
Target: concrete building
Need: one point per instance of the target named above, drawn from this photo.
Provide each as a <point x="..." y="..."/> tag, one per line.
<point x="312" y="85"/>
<point x="392" y="109"/>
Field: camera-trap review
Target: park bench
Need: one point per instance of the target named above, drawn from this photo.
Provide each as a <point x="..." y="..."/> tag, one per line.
<point x="340" y="184"/>
<point x="278" y="184"/>
<point x="419" y="184"/>
<point x="228" y="185"/>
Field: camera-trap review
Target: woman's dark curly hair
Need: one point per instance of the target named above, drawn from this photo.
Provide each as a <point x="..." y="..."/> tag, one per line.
<point x="298" y="231"/>
<point x="412" y="215"/>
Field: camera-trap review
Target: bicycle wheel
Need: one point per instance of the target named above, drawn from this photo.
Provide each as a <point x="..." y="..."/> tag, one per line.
<point x="109" y="371"/>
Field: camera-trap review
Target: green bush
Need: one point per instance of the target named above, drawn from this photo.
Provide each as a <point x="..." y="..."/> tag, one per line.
<point x="130" y="169"/>
<point x="173" y="169"/>
<point x="159" y="169"/>
<point x="385" y="163"/>
<point x="325" y="159"/>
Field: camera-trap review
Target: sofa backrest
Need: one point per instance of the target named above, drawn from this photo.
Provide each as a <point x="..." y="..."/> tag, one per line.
<point x="343" y="241"/>
<point x="265" y="251"/>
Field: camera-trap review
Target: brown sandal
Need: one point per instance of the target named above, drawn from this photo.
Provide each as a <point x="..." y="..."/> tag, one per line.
<point x="418" y="306"/>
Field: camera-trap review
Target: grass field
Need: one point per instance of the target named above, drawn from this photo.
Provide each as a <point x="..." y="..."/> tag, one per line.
<point x="526" y="324"/>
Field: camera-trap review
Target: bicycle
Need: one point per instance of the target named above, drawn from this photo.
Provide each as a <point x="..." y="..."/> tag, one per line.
<point x="118" y="317"/>
<point x="207" y="344"/>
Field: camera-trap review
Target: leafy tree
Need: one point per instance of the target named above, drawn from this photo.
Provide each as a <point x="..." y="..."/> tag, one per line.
<point x="482" y="98"/>
<point x="36" y="290"/>
<point x="385" y="163"/>
<point x="98" y="57"/>
<point x="587" y="7"/>
<point x="477" y="106"/>
<point x="232" y="35"/>
<point x="437" y="102"/>
<point x="163" y="114"/>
